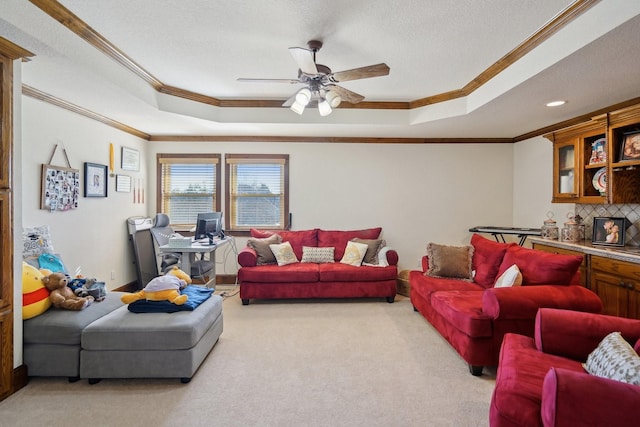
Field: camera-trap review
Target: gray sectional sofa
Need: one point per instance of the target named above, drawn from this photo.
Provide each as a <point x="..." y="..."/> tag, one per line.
<point x="106" y="340"/>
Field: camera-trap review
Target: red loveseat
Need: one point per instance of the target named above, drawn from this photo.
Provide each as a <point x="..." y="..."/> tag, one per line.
<point x="316" y="280"/>
<point x="541" y="381"/>
<point x="473" y="316"/>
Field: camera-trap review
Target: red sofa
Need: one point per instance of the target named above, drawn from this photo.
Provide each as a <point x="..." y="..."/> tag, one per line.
<point x="311" y="280"/>
<point x="541" y="381"/>
<point x="473" y="316"/>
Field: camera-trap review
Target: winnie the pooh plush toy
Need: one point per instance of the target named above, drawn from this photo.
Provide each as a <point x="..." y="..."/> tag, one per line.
<point x="163" y="288"/>
<point x="35" y="297"/>
<point x="61" y="295"/>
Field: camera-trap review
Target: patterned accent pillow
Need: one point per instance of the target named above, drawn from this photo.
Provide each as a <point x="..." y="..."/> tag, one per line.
<point x="317" y="255"/>
<point x="450" y="261"/>
<point x="354" y="253"/>
<point x="614" y="358"/>
<point x="510" y="277"/>
<point x="284" y="253"/>
<point x="36" y="241"/>
<point x="263" y="251"/>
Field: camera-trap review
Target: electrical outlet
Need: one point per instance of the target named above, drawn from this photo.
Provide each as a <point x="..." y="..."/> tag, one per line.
<point x="113" y="275"/>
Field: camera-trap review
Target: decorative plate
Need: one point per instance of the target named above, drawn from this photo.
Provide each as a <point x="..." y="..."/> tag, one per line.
<point x="600" y="180"/>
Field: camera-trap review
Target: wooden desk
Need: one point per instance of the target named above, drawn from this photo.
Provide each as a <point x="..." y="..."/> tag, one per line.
<point x="195" y="248"/>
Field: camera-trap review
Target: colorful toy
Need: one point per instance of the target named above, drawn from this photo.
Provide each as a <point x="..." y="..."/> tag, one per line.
<point x="35" y="296"/>
<point x="61" y="295"/>
<point x="163" y="288"/>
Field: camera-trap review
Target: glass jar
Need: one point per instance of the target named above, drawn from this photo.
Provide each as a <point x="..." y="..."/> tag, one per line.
<point x="573" y="230"/>
<point x="549" y="230"/>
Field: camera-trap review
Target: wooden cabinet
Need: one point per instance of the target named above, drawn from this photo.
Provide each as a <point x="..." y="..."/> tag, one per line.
<point x="617" y="283"/>
<point x="580" y="174"/>
<point x="584" y="272"/>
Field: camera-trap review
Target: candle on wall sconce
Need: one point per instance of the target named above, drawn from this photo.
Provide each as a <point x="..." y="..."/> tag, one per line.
<point x="111" y="162"/>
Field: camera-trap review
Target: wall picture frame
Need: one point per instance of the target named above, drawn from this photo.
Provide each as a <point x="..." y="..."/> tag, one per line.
<point x="630" y="146"/>
<point x="95" y="180"/>
<point x="130" y="160"/>
<point x="609" y="231"/>
<point x="60" y="188"/>
<point x="123" y="183"/>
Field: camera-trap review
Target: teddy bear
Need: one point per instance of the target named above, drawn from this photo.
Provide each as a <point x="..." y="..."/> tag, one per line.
<point x="61" y="295"/>
<point x="163" y="288"/>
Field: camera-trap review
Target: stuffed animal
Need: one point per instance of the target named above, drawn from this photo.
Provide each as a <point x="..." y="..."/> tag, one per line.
<point x="163" y="288"/>
<point x="35" y="297"/>
<point x="61" y="295"/>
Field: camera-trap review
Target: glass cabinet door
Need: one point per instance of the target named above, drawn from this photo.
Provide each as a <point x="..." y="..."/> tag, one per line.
<point x="565" y="171"/>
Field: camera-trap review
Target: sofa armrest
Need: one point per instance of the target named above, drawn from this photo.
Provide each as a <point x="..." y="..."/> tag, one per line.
<point x="523" y="302"/>
<point x="574" y="334"/>
<point x="572" y="398"/>
<point x="247" y="257"/>
<point x="425" y="263"/>
<point x="389" y="255"/>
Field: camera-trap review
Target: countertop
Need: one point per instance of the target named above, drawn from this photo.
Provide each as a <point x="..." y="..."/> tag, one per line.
<point x="622" y="253"/>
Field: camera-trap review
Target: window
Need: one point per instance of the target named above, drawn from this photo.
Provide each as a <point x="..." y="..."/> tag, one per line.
<point x="188" y="185"/>
<point x="257" y="194"/>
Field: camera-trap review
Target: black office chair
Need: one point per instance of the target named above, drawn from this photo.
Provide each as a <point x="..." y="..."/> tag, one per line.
<point x="161" y="232"/>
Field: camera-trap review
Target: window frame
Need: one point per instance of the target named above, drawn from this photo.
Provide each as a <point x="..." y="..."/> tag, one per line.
<point x="215" y="158"/>
<point x="260" y="158"/>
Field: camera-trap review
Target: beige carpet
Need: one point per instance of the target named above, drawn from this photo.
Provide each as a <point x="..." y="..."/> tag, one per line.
<point x="322" y="363"/>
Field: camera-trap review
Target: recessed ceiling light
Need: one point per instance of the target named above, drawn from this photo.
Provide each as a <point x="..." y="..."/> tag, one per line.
<point x="555" y="103"/>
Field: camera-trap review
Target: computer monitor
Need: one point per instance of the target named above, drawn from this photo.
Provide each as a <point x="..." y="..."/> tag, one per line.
<point x="208" y="225"/>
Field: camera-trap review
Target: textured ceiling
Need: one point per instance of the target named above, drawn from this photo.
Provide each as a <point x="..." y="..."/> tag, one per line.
<point x="432" y="47"/>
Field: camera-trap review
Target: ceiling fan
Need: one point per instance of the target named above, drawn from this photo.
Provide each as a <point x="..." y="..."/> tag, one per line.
<point x="320" y="81"/>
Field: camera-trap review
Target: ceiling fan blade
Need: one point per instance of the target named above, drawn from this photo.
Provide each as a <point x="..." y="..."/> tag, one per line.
<point x="346" y="94"/>
<point x="360" y="73"/>
<point x="305" y="60"/>
<point x="291" y="81"/>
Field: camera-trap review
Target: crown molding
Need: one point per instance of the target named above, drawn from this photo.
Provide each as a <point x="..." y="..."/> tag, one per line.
<point x="13" y="51"/>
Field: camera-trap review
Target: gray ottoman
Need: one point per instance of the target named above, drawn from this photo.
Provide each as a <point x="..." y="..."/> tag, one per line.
<point x="150" y="345"/>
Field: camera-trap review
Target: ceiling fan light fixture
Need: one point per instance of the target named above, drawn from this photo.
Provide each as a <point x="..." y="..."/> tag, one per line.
<point x="297" y="107"/>
<point x="303" y="97"/>
<point x="333" y="99"/>
<point x="324" y="108"/>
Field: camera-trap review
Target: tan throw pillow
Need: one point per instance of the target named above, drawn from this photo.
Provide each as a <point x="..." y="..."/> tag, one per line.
<point x="317" y="255"/>
<point x="284" y="253"/>
<point x="354" y="253"/>
<point x="374" y="246"/>
<point x="263" y="251"/>
<point x="450" y="261"/>
<point x="614" y="358"/>
<point x="511" y="277"/>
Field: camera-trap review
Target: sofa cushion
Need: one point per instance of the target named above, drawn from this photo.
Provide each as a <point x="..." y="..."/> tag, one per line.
<point x="487" y="257"/>
<point x="541" y="268"/>
<point x="290" y="273"/>
<point x="338" y="272"/>
<point x="450" y="261"/>
<point x="263" y="251"/>
<point x="510" y="277"/>
<point x="317" y="255"/>
<point x="339" y="238"/>
<point x="463" y="310"/>
<point x="59" y="326"/>
<point x="284" y="254"/>
<point x="614" y="358"/>
<point x="298" y="239"/>
<point x="374" y="246"/>
<point x="354" y="253"/>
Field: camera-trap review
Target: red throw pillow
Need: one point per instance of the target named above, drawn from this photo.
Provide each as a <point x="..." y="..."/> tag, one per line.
<point x="339" y="238"/>
<point x="487" y="258"/>
<point x="541" y="268"/>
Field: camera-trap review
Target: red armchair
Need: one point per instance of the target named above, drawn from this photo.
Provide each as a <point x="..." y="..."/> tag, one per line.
<point x="541" y="381"/>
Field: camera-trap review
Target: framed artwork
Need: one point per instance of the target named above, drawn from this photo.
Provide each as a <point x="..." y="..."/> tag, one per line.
<point x="123" y="183"/>
<point x="60" y="188"/>
<point x="609" y="231"/>
<point x="95" y="180"/>
<point x="130" y="159"/>
<point x="630" y="149"/>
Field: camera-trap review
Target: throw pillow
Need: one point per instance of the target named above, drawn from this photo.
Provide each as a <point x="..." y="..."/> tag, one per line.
<point x="284" y="253"/>
<point x="487" y="257"/>
<point x="263" y="251"/>
<point x="511" y="277"/>
<point x="374" y="246"/>
<point x="317" y="255"/>
<point x="450" y="261"/>
<point x="354" y="253"/>
<point x="36" y="241"/>
<point x="614" y="358"/>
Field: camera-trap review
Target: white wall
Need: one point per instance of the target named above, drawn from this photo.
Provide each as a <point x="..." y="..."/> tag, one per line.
<point x="93" y="236"/>
<point x="416" y="192"/>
